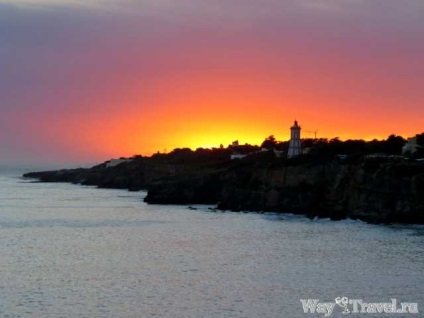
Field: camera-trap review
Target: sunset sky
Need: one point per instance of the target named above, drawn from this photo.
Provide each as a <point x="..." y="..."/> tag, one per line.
<point x="87" y="80"/>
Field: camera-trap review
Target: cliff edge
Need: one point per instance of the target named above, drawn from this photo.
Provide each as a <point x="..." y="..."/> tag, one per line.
<point x="370" y="189"/>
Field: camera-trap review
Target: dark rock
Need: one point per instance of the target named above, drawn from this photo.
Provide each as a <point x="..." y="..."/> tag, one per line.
<point x="375" y="191"/>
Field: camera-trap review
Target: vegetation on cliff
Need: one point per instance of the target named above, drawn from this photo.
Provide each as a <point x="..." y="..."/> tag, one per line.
<point x="337" y="179"/>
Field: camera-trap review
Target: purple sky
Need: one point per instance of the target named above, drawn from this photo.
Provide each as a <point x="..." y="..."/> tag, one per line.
<point x="74" y="76"/>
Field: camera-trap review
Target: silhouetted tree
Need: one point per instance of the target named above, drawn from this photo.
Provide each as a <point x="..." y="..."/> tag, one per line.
<point x="269" y="142"/>
<point x="420" y="139"/>
<point x="393" y="145"/>
<point x="420" y="150"/>
<point x="308" y="142"/>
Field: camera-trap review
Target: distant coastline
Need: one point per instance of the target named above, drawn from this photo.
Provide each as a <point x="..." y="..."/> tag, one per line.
<point x="377" y="188"/>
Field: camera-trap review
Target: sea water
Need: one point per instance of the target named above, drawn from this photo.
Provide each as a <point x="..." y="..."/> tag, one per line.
<point x="73" y="251"/>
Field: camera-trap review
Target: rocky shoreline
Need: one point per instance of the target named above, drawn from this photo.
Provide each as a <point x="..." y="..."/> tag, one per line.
<point x="372" y="190"/>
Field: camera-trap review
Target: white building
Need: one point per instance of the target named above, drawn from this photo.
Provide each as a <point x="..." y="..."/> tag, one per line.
<point x="114" y="162"/>
<point x="295" y="148"/>
<point x="237" y="156"/>
<point x="278" y="153"/>
<point x="411" y="146"/>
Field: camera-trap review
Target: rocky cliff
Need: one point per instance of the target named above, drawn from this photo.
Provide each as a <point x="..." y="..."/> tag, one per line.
<point x="134" y="175"/>
<point x="372" y="190"/>
<point x="380" y="192"/>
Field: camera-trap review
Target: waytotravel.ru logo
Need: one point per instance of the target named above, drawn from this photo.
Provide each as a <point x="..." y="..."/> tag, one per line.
<point x="358" y="306"/>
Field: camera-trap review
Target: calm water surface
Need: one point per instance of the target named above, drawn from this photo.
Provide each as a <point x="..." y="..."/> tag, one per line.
<point x="73" y="251"/>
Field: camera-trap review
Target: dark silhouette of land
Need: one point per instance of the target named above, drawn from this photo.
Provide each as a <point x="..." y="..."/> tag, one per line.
<point x="368" y="180"/>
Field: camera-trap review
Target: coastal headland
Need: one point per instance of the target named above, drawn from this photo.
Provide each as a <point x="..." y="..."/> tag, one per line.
<point x="377" y="188"/>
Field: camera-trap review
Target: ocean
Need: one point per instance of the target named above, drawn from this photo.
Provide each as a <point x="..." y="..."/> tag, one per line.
<point x="73" y="251"/>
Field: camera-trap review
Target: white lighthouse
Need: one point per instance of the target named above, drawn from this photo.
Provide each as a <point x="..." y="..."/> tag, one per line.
<point x="294" y="145"/>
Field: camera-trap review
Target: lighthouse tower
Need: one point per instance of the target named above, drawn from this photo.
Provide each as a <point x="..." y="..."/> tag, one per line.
<point x="294" y="144"/>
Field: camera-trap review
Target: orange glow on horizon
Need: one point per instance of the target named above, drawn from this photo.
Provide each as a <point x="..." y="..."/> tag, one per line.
<point x="208" y="110"/>
<point x="144" y="77"/>
<point x="184" y="125"/>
